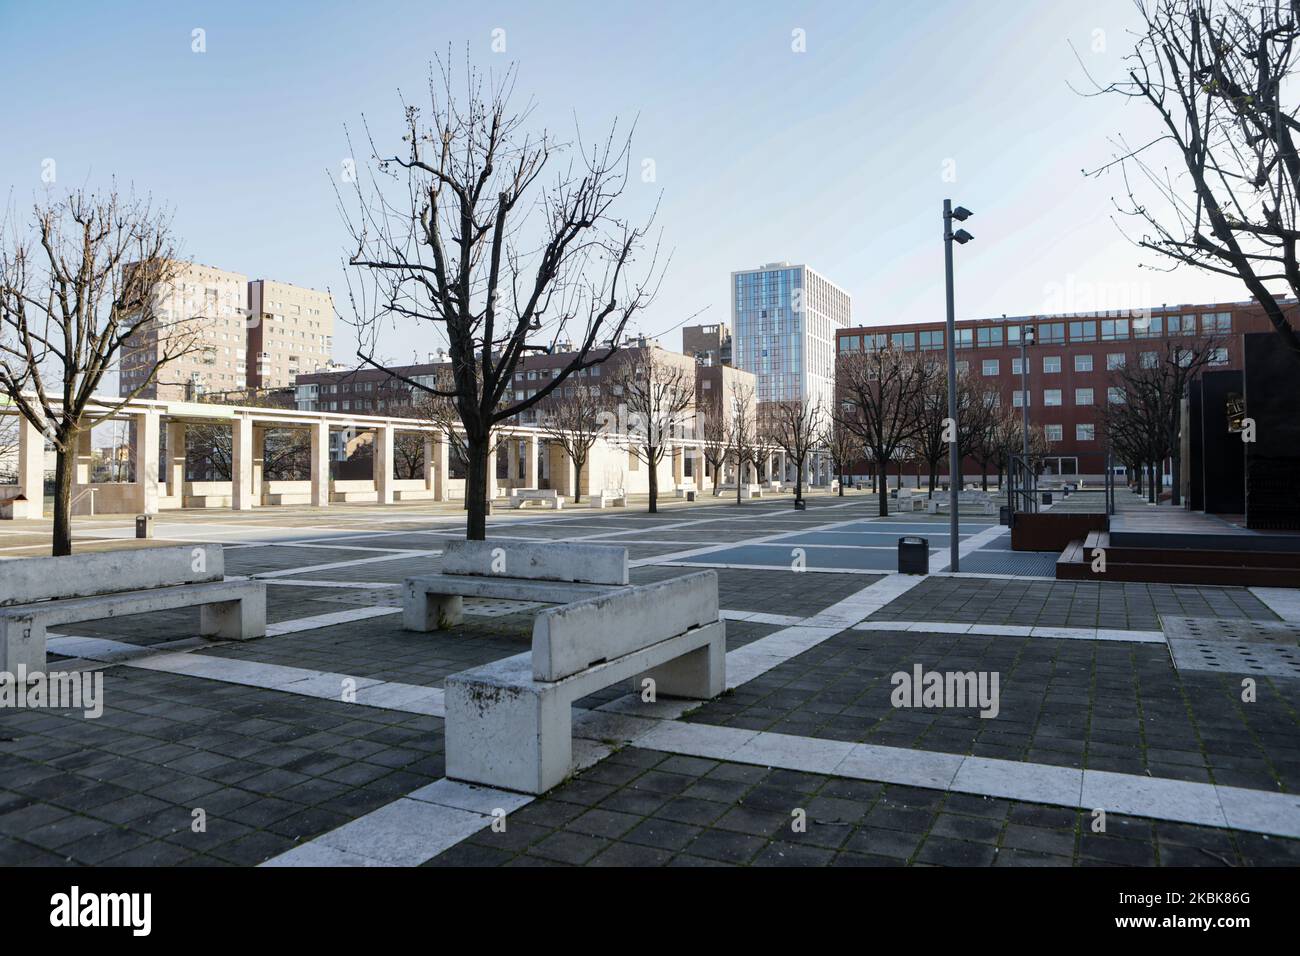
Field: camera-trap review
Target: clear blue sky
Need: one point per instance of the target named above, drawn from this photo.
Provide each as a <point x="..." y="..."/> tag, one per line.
<point x="834" y="157"/>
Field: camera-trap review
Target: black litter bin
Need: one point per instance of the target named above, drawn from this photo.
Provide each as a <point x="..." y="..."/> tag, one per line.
<point x="799" y="505"/>
<point x="1047" y="497"/>
<point x="1004" y="515"/>
<point x="144" y="526"/>
<point x="913" y="555"/>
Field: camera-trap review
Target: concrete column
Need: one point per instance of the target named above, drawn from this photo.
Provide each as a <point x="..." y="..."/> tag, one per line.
<point x="176" y="460"/>
<point x="145" y="433"/>
<point x="530" y="461"/>
<point x="31" y="470"/>
<point x="679" y="466"/>
<point x="492" y="474"/>
<point x="428" y="462"/>
<point x="441" y="465"/>
<point x="320" y="464"/>
<point x="259" y="462"/>
<point x="83" y="461"/>
<point x="383" y="463"/>
<point x="242" y="496"/>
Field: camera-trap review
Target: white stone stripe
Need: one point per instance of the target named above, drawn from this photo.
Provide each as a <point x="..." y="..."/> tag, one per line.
<point x="1157" y="798"/>
<point x="971" y="544"/>
<point x="1016" y="630"/>
<point x="758" y="567"/>
<point x="329" y="620"/>
<point x="308" y="569"/>
<point x="1284" y="602"/>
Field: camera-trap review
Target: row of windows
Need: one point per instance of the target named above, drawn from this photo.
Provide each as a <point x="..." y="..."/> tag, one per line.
<point x="1083" y="363"/>
<point x="1048" y="333"/>
<point x="1052" y="397"/>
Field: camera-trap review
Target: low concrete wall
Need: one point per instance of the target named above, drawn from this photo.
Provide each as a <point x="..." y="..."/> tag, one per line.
<point x="588" y="563"/>
<point x="1052" y="532"/>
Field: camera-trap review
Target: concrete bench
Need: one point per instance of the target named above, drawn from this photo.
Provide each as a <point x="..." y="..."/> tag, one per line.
<point x="37" y="593"/>
<point x="980" y="501"/>
<point x="509" y="723"/>
<point x="546" y="497"/>
<point x="684" y="488"/>
<point x="751" y="491"/>
<point x="615" y="497"/>
<point x="512" y="571"/>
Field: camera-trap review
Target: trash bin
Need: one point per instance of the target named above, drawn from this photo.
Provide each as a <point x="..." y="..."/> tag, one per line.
<point x="1004" y="515"/>
<point x="913" y="555"/>
<point x="800" y="505"/>
<point x="144" y="526"/>
<point x="1047" y="497"/>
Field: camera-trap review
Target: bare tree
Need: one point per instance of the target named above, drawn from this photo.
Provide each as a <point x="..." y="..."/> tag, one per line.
<point x="92" y="276"/>
<point x="8" y="448"/>
<point x="1220" y="77"/>
<point x="440" y="406"/>
<point x="882" y="388"/>
<point x="842" y="445"/>
<point x="574" y="418"/>
<point x="743" y="447"/>
<point x="408" y="454"/>
<point x="458" y="232"/>
<point x="656" y="394"/>
<point x="713" y="427"/>
<point x="1148" y="416"/>
<point x="796" y="428"/>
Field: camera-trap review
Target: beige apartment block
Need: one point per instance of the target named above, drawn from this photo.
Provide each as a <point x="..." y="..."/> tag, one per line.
<point x="201" y="312"/>
<point x="291" y="331"/>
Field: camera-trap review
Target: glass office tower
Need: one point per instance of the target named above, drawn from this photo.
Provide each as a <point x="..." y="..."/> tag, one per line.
<point x="784" y="319"/>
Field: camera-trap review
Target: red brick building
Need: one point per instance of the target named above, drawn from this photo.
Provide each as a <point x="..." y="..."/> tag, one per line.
<point x="1071" y="362"/>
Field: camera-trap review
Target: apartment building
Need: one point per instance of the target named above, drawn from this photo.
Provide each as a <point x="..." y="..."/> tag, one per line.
<point x="291" y="330"/>
<point x="1071" y="365"/>
<point x="786" y="318"/>
<point x="202" y="310"/>
<point x="708" y="344"/>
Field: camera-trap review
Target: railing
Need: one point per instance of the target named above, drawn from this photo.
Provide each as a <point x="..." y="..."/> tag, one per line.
<point x="1022" y="487"/>
<point x="87" y="491"/>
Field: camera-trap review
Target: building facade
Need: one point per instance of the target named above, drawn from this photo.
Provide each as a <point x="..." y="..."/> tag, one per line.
<point x="203" y="303"/>
<point x="1071" y="365"/>
<point x="785" y="319"/>
<point x="239" y="335"/>
<point x="291" y="330"/>
<point x="708" y="344"/>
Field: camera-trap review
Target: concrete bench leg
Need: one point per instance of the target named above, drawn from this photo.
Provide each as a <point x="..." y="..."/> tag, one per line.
<point x="422" y="611"/>
<point x="700" y="674"/>
<point x="512" y="738"/>
<point x="22" y="644"/>
<point x="239" y="620"/>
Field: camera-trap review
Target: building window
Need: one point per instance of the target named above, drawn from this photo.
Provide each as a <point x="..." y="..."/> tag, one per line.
<point x="1083" y="331"/>
<point x="1180" y="324"/>
<point x="989" y="337"/>
<point x="904" y="340"/>
<point x="963" y="339"/>
<point x="850" y="343"/>
<point x="1149" y="327"/>
<point x="1017" y="399"/>
<point x="1083" y="396"/>
<point x="1115" y="395"/>
<point x="1015" y="366"/>
<point x="1113" y="330"/>
<point x="1051" y="333"/>
<point x="963" y="368"/>
<point x="1115" y="360"/>
<point x="1054" y="432"/>
<point x="1216" y="323"/>
<point x="1051" y="396"/>
<point x="1150" y="359"/>
<point x="990" y="368"/>
<point x="1085" y="432"/>
<point x="1218" y="356"/>
<point x="1051" y="364"/>
<point x="930" y="341"/>
<point x="1083" y="363"/>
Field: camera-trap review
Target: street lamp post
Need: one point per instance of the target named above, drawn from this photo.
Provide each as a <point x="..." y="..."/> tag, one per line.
<point x="954" y="453"/>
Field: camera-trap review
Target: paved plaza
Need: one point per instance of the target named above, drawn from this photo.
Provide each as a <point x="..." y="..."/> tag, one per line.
<point x="323" y="742"/>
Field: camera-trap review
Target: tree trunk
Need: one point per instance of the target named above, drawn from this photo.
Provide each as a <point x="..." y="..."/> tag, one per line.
<point x="1152" y="495"/>
<point x="577" y="480"/>
<point x="64" y="462"/>
<point x="798" y="481"/>
<point x="476" y="485"/>
<point x="841" y="481"/>
<point x="1175" y="466"/>
<point x="984" y="476"/>
<point x="883" y="496"/>
<point x="654" y="481"/>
